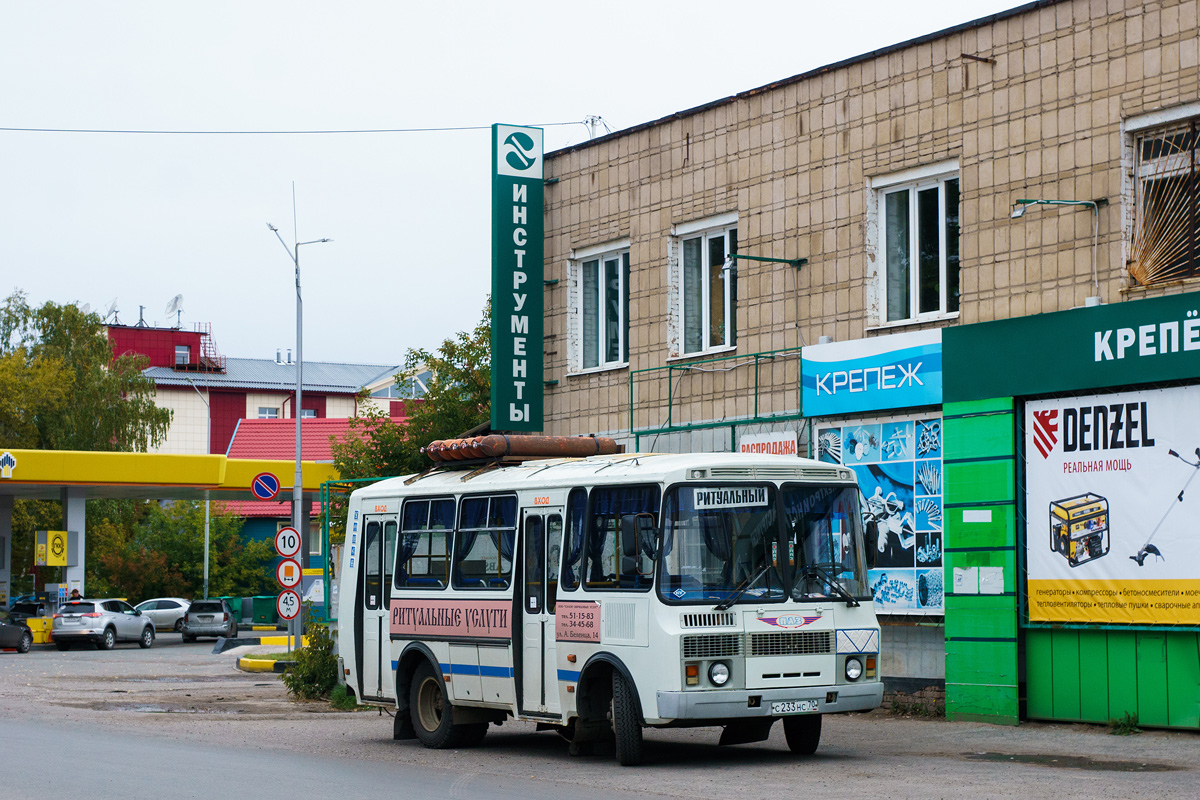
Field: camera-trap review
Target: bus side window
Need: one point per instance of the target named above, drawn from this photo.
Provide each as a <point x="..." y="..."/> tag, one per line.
<point x="554" y="538"/>
<point x="483" y="548"/>
<point x="423" y="557"/>
<point x="372" y="563"/>
<point x="607" y="566"/>
<point x="389" y="558"/>
<point x="573" y="550"/>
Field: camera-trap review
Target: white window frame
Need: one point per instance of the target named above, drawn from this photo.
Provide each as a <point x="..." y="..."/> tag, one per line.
<point x="580" y="258"/>
<point x="704" y="230"/>
<point x="913" y="181"/>
<point x="185" y="351"/>
<point x="267" y="412"/>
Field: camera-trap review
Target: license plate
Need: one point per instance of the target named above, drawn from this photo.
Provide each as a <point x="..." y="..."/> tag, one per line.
<point x="793" y="706"/>
<point x="204" y="619"/>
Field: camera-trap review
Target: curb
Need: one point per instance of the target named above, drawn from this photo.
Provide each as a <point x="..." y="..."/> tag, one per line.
<point x="263" y="665"/>
<point x="224" y="643"/>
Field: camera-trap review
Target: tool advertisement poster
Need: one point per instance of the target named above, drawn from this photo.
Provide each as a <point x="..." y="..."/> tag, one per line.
<point x="1112" y="504"/>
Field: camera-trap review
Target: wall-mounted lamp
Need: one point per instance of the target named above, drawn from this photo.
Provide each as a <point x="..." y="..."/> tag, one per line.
<point x="1023" y="205"/>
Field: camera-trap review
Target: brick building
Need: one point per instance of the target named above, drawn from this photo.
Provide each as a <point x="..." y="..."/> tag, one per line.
<point x="1038" y="163"/>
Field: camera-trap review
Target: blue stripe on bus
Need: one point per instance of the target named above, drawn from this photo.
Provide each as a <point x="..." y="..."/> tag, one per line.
<point x="471" y="669"/>
<point x="568" y="675"/>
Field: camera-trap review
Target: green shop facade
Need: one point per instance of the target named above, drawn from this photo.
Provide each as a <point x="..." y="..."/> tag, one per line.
<point x="1072" y="550"/>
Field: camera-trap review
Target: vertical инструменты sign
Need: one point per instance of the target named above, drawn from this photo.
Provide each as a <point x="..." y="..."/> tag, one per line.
<point x="518" y="232"/>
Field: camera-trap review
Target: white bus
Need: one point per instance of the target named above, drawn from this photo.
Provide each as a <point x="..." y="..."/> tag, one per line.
<point x="599" y="595"/>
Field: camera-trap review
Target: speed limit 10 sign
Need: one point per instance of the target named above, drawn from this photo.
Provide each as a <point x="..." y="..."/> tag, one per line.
<point x="288" y="604"/>
<point x="287" y="542"/>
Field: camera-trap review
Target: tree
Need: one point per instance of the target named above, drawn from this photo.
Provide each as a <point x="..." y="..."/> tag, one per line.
<point x="162" y="554"/>
<point x="457" y="398"/>
<point x="103" y="403"/>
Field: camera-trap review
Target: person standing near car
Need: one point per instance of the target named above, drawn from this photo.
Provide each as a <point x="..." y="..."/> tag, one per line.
<point x="75" y="595"/>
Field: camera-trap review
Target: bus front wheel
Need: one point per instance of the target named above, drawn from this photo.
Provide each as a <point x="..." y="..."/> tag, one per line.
<point x="433" y="715"/>
<point x="627" y="725"/>
<point x="803" y="733"/>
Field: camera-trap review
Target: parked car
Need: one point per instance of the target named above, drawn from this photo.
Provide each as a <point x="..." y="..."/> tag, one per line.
<point x="165" y="612"/>
<point x="103" y="622"/>
<point x="24" y="610"/>
<point x="209" y="618"/>
<point x="14" y="633"/>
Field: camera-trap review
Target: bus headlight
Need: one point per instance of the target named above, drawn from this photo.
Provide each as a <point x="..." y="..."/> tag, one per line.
<point x="718" y="674"/>
<point x="854" y="669"/>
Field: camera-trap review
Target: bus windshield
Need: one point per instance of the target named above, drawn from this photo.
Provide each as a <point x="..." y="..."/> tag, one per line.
<point x="721" y="544"/>
<point x="823" y="530"/>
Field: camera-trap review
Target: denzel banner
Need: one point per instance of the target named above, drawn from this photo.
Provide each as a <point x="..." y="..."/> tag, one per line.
<point x="1112" y="503"/>
<point x="518" y="316"/>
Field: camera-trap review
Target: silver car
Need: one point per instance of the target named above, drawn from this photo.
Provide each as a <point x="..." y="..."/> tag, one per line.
<point x="102" y="622"/>
<point x="165" y="612"/>
<point x="209" y="618"/>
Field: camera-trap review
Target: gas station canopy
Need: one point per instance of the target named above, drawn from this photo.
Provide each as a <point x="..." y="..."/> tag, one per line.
<point x="44" y="474"/>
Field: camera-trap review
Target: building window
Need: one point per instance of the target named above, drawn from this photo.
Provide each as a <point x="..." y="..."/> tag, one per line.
<point x="265" y="412"/>
<point x="707" y="301"/>
<point x="183" y="355"/>
<point x="308" y="413"/>
<point x="599" y="328"/>
<point x="1164" y="245"/>
<point x="919" y="221"/>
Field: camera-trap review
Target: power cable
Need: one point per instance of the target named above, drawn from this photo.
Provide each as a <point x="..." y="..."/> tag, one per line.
<point x="274" y="133"/>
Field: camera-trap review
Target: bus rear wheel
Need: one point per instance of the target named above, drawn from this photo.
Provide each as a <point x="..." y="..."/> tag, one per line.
<point x="803" y="733"/>
<point x="433" y="714"/>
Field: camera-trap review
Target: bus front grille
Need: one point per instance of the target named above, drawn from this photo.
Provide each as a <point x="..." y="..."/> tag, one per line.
<point x="714" y="645"/>
<point x="795" y="643"/>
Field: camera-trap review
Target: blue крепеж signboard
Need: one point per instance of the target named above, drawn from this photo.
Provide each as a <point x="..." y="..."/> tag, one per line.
<point x="886" y="372"/>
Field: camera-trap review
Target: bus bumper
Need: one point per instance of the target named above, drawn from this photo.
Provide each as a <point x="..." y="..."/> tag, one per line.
<point x="748" y="703"/>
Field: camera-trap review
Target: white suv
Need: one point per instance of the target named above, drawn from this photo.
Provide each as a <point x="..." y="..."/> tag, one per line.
<point x="103" y="622"/>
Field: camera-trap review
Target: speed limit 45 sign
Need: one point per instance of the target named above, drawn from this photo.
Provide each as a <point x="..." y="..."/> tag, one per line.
<point x="287" y="542"/>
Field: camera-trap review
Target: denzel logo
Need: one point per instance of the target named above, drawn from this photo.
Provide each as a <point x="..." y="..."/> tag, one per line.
<point x="1045" y="431"/>
<point x="521" y="153"/>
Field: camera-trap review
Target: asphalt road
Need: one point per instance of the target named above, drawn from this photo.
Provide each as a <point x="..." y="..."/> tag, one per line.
<point x="176" y="721"/>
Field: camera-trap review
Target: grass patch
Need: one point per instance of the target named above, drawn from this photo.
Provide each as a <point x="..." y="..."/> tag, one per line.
<point x="1125" y="726"/>
<point x="271" y="656"/>
<point x="342" y="700"/>
<point x="900" y="708"/>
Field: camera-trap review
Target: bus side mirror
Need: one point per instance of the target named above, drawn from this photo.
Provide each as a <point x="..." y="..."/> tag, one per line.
<point x="637" y="535"/>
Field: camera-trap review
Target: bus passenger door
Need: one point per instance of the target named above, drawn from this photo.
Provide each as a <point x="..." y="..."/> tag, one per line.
<point x="378" y="550"/>
<point x="541" y="545"/>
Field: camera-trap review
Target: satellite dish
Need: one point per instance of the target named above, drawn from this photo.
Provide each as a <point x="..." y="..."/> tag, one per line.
<point x="86" y="308"/>
<point x="175" y="307"/>
<point x="111" y="310"/>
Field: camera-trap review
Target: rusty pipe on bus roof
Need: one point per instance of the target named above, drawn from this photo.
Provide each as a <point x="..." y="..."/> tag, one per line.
<point x="499" y="446"/>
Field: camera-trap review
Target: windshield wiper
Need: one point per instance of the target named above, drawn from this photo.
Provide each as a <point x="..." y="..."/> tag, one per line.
<point x="819" y="571"/>
<point x="742" y="588"/>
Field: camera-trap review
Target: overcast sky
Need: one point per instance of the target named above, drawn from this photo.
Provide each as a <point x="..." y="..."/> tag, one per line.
<point x="88" y="217"/>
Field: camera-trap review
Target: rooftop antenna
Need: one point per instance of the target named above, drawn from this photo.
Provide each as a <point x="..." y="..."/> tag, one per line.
<point x="176" y="307"/>
<point x="141" y="323"/>
<point x="594" y="122"/>
<point x="111" y="311"/>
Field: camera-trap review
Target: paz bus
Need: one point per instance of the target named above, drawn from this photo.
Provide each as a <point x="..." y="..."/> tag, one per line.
<point x="599" y="595"/>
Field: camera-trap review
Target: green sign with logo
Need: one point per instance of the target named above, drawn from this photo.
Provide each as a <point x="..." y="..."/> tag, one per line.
<point x="1123" y="344"/>
<point x="518" y="313"/>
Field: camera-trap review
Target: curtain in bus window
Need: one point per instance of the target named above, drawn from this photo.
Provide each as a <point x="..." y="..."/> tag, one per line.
<point x="504" y="541"/>
<point x="389" y="558"/>
<point x="576" y="509"/>
<point x="716" y="536"/>
<point x="441" y="515"/>
<point x="485" y="562"/>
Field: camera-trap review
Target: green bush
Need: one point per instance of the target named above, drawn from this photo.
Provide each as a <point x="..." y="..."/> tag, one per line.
<point x="343" y="700"/>
<point x="315" y="672"/>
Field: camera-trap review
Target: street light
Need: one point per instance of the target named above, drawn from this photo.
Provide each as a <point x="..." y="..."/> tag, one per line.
<point x="207" y="451"/>
<point x="298" y="486"/>
<point x="1023" y="205"/>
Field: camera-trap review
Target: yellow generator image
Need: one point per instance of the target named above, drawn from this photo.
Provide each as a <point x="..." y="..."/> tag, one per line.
<point x="1079" y="528"/>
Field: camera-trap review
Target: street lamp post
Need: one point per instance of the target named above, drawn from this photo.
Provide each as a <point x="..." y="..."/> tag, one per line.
<point x="298" y="486"/>
<point x="207" y="450"/>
